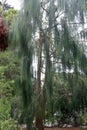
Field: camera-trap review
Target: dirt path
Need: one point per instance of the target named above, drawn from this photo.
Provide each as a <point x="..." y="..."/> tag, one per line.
<point x="55" y="128"/>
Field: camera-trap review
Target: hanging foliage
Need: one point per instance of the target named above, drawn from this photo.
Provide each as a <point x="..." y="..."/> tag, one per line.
<point x="44" y="32"/>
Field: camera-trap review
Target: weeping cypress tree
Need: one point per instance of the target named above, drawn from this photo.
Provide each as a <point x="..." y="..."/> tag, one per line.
<point x="43" y="30"/>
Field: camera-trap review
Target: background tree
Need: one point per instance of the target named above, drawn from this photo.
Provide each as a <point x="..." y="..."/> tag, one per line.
<point x="9" y="71"/>
<point x="3" y="25"/>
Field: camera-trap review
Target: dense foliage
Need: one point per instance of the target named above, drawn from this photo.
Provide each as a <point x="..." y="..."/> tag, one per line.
<point x="9" y="71"/>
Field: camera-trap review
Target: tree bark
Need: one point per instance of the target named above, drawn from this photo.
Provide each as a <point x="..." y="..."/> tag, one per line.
<point x="39" y="109"/>
<point x="39" y="123"/>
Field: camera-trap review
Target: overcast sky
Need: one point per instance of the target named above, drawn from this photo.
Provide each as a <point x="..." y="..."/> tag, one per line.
<point x="14" y="3"/>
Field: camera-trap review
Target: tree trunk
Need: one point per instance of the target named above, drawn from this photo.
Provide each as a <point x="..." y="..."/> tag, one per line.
<point x="39" y="109"/>
<point x="39" y="123"/>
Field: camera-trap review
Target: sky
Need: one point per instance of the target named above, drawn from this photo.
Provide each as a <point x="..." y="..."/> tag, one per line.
<point x="14" y="3"/>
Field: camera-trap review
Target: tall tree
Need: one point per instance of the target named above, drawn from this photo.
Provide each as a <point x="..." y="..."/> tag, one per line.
<point x="43" y="36"/>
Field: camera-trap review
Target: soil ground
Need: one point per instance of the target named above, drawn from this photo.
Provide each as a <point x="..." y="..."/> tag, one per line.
<point x="55" y="128"/>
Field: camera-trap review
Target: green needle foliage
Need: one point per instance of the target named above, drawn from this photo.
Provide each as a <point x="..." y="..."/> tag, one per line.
<point x="44" y="35"/>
